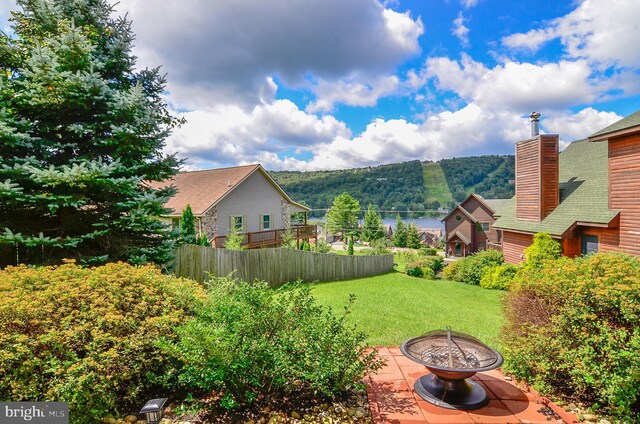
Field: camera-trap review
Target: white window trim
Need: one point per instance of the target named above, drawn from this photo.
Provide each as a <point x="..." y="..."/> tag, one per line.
<point x="232" y="222"/>
<point x="261" y="219"/>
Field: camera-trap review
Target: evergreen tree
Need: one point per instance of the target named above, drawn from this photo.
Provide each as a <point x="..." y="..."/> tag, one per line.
<point x="350" y="247"/>
<point x="400" y="233"/>
<point x="342" y="217"/>
<point x="413" y="237"/>
<point x="372" y="225"/>
<point x="288" y="239"/>
<point x="202" y="240"/>
<point x="81" y="130"/>
<point x="234" y="240"/>
<point x="187" y="226"/>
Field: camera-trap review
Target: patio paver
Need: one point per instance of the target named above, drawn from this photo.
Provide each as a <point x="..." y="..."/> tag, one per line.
<point x="393" y="400"/>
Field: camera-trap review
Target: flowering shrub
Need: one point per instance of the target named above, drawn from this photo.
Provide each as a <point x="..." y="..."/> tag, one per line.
<point x="86" y="336"/>
<point x="573" y="327"/>
<point x="249" y="340"/>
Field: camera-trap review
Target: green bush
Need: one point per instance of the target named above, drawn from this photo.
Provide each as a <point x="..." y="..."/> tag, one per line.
<point x="249" y="340"/>
<point x="322" y="246"/>
<point x="471" y="269"/>
<point x="573" y="327"/>
<point x="414" y="270"/>
<point x="86" y="336"/>
<point x="428" y="274"/>
<point x="543" y="248"/>
<point x="498" y="277"/>
<point x="428" y="251"/>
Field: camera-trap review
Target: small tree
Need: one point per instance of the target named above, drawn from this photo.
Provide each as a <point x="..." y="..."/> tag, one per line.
<point x="288" y="239"/>
<point x="400" y="233"/>
<point x="413" y="237"/>
<point x="543" y="247"/>
<point x="342" y="217"/>
<point x="234" y="240"/>
<point x="372" y="226"/>
<point x="187" y="226"/>
<point x="202" y="240"/>
<point x="350" y="246"/>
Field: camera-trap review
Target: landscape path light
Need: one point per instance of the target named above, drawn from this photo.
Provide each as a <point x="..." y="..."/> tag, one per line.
<point x="153" y="410"/>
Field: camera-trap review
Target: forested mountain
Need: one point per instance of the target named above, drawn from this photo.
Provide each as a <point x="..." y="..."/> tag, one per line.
<point x="489" y="176"/>
<point x="402" y="186"/>
<point x="396" y="187"/>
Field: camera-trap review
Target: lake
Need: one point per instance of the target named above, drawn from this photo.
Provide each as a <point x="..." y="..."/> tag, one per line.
<point x="420" y="222"/>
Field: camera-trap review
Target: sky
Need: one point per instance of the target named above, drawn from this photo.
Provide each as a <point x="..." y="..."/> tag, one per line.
<point x="317" y="84"/>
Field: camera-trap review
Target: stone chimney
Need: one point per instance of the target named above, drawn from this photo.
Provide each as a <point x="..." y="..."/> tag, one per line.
<point x="537" y="179"/>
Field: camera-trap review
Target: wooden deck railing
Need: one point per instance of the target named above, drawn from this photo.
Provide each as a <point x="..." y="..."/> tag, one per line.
<point x="265" y="238"/>
<point x="494" y="246"/>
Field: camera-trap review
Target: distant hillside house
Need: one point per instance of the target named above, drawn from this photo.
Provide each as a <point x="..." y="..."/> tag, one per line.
<point x="587" y="197"/>
<point x="430" y="237"/>
<point x="469" y="226"/>
<point x="242" y="197"/>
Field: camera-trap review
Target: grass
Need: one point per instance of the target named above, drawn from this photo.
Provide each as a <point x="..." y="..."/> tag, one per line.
<point x="435" y="184"/>
<point x="394" y="307"/>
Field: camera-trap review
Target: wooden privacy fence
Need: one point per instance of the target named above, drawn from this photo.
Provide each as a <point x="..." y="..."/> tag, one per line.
<point x="276" y="266"/>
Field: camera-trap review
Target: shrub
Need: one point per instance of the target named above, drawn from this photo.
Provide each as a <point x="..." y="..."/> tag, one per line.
<point x="498" y="277"/>
<point x="322" y="246"/>
<point x="425" y="267"/>
<point x="249" y="340"/>
<point x="428" y="273"/>
<point x="381" y="246"/>
<point x="471" y="269"/>
<point x="86" y="336"/>
<point x="573" y="327"/>
<point x="414" y="270"/>
<point x="543" y="248"/>
<point x="428" y="251"/>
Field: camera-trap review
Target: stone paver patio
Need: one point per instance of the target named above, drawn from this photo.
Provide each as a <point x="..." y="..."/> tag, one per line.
<point x="394" y="401"/>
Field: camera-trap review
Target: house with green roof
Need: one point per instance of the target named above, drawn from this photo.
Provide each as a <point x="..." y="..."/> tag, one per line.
<point x="587" y="197"/>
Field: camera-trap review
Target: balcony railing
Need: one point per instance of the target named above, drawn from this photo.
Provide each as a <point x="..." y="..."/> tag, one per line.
<point x="256" y="239"/>
<point x="494" y="246"/>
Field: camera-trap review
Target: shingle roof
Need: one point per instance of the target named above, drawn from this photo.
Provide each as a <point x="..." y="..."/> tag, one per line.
<point x="460" y="236"/>
<point x="202" y="189"/>
<point x="496" y="204"/>
<point x="630" y="121"/>
<point x="584" y="193"/>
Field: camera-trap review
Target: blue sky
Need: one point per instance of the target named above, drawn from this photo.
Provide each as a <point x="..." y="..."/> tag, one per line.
<point x="317" y="84"/>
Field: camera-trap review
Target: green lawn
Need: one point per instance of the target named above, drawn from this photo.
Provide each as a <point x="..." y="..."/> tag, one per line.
<point x="393" y="307"/>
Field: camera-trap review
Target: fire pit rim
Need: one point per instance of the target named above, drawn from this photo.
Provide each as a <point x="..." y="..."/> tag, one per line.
<point x="499" y="359"/>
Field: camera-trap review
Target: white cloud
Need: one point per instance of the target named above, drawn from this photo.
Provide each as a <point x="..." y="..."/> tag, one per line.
<point x="460" y="30"/>
<point x="578" y="125"/>
<point x="230" y="135"/>
<point x="603" y="32"/>
<point x="223" y="52"/>
<point x="467" y="4"/>
<point x="353" y="92"/>
<point x="517" y="86"/>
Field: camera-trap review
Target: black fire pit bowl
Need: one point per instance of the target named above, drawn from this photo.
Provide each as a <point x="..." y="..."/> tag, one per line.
<point x="452" y="358"/>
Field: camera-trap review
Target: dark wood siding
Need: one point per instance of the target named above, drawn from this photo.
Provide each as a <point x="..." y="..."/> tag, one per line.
<point x="483" y="214"/>
<point x="624" y="190"/>
<point x="550" y="187"/>
<point x="528" y="180"/>
<point x="513" y="245"/>
<point x="537" y="173"/>
<point x="465" y="226"/>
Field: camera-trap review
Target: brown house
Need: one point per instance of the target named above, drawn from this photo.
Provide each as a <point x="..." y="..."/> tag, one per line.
<point x="587" y="197"/>
<point x="469" y="226"/>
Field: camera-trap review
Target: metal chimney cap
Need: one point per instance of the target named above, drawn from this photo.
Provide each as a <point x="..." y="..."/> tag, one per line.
<point x="534" y="116"/>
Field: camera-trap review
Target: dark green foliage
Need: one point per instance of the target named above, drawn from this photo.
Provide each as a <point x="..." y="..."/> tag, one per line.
<point x="413" y="237"/>
<point x="414" y="271"/>
<point x="87" y="335"/>
<point x="471" y="269"/>
<point x="80" y="129"/>
<point x="573" y="328"/>
<point x="250" y="340"/>
<point x="342" y="217"/>
<point x="372" y="228"/>
<point x="202" y="240"/>
<point x="305" y="246"/>
<point x="498" y="277"/>
<point x="400" y="233"/>
<point x="187" y="226"/>
<point x="350" y="246"/>
<point x="399" y="186"/>
<point x="424" y="267"/>
<point x="488" y="176"/>
<point x="428" y="251"/>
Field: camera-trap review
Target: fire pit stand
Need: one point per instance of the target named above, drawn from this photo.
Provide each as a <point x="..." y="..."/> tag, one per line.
<point x="452" y="358"/>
